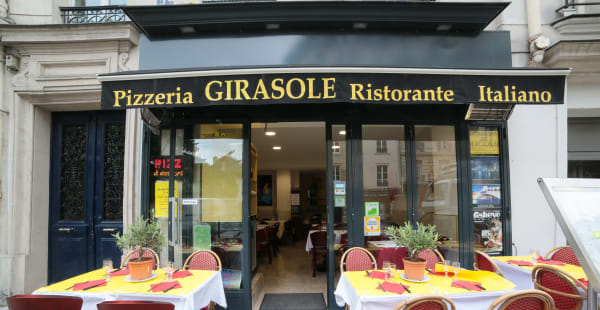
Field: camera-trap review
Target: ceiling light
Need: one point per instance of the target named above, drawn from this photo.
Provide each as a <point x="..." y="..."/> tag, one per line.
<point x="277" y="148"/>
<point x="270" y="133"/>
<point x="187" y="29"/>
<point x="342" y="132"/>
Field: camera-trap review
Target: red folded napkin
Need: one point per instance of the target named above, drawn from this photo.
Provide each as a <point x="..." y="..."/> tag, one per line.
<point x="583" y="281"/>
<point x="392" y="287"/>
<point x="441" y="273"/>
<point x="182" y="274"/>
<point x="86" y="285"/>
<point x="160" y="287"/>
<point x="466" y="285"/>
<point x="550" y="262"/>
<point x="520" y="262"/>
<point x="376" y="275"/>
<point x="122" y="272"/>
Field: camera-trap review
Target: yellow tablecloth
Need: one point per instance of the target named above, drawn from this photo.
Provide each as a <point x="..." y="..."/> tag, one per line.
<point x="118" y="285"/>
<point x="573" y="270"/>
<point x="437" y="284"/>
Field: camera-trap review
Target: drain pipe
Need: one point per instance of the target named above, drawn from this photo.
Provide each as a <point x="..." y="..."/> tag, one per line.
<point x="538" y="42"/>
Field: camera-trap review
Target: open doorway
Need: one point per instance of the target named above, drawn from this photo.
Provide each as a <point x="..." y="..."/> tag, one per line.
<point x="291" y="199"/>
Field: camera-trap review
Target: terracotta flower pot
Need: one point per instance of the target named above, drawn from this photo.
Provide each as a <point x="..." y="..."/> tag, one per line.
<point x="414" y="270"/>
<point x="140" y="270"/>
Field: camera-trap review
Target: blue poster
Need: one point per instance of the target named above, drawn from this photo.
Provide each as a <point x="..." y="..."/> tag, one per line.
<point x="486" y="194"/>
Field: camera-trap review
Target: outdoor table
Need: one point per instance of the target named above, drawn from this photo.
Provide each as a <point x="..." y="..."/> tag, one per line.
<point x="521" y="275"/>
<point x="196" y="292"/>
<point x="338" y="238"/>
<point x="360" y="292"/>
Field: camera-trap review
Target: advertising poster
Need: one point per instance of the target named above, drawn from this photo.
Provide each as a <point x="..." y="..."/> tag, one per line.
<point x="161" y="198"/>
<point x="340" y="201"/>
<point x="486" y="194"/>
<point x="488" y="229"/>
<point x="485" y="168"/>
<point x="340" y="188"/>
<point x="484" y="142"/>
<point x="372" y="226"/>
<point x="202" y="237"/>
<point x="372" y="208"/>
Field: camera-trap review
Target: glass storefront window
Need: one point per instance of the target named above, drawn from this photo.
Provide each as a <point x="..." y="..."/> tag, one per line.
<point x="486" y="189"/>
<point x="437" y="193"/>
<point x="208" y="194"/>
<point x="384" y="174"/>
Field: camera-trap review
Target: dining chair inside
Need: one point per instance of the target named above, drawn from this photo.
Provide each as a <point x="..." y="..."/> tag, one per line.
<point x="203" y="260"/>
<point x="43" y="302"/>
<point x="319" y="249"/>
<point x="561" y="286"/>
<point x="564" y="254"/>
<point x="524" y="300"/>
<point x="483" y="262"/>
<point x="148" y="253"/>
<point x="426" y="302"/>
<point x="262" y="242"/>
<point x="357" y="259"/>
<point x="432" y="257"/>
<point x="135" y="305"/>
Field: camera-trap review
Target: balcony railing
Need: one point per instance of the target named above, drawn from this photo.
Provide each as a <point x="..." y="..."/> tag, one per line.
<point x="579" y="7"/>
<point x="92" y="14"/>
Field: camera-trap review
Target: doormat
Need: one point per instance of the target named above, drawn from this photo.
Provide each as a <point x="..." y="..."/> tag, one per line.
<point x="309" y="301"/>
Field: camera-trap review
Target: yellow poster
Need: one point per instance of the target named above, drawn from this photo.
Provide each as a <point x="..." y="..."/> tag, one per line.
<point x="161" y="198"/>
<point x="484" y="142"/>
<point x="372" y="226"/>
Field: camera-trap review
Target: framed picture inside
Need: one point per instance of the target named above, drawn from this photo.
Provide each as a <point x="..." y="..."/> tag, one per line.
<point x="265" y="190"/>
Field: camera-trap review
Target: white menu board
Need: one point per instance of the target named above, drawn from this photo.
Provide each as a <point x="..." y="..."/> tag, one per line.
<point x="576" y="206"/>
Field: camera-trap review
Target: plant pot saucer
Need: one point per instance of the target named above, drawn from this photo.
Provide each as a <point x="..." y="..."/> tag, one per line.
<point x="128" y="278"/>
<point x="403" y="277"/>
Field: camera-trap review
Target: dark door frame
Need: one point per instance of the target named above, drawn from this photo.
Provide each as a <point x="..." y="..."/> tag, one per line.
<point x="93" y="227"/>
<point x="354" y="116"/>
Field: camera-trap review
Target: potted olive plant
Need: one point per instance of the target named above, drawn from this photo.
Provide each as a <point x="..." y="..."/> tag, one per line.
<point x="415" y="239"/>
<point x="141" y="235"/>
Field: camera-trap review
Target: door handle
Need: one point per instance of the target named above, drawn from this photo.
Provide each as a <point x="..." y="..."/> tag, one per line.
<point x="109" y="229"/>
<point x="66" y="229"/>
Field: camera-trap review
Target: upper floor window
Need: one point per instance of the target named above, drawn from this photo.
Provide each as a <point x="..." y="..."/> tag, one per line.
<point x="381" y="146"/>
<point x="337" y="173"/>
<point x="382" y="175"/>
<point x="335" y="146"/>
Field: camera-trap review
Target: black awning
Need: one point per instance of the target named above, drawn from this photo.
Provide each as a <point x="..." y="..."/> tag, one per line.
<point x="323" y="85"/>
<point x="176" y="21"/>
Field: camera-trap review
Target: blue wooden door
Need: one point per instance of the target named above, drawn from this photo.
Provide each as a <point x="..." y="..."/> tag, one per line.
<point x="86" y="191"/>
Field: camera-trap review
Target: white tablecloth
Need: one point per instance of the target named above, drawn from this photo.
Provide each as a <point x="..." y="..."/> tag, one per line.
<point x="521" y="277"/>
<point x="338" y="237"/>
<point x="211" y="290"/>
<point x="281" y="226"/>
<point x="346" y="294"/>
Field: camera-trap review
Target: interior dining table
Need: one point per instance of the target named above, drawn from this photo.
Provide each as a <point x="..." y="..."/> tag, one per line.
<point x="189" y="290"/>
<point x="474" y="290"/>
<point x="337" y="241"/>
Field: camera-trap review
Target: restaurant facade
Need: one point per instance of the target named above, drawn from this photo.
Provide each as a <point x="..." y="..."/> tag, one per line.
<point x="415" y="103"/>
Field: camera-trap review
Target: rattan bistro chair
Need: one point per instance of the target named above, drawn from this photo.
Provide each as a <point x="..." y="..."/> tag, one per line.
<point x="43" y="302"/>
<point x="524" y="300"/>
<point x="357" y="259"/>
<point x="426" y="302"/>
<point x="149" y="253"/>
<point x="564" y="254"/>
<point x="482" y="261"/>
<point x="203" y="260"/>
<point x="432" y="257"/>
<point x="561" y="286"/>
